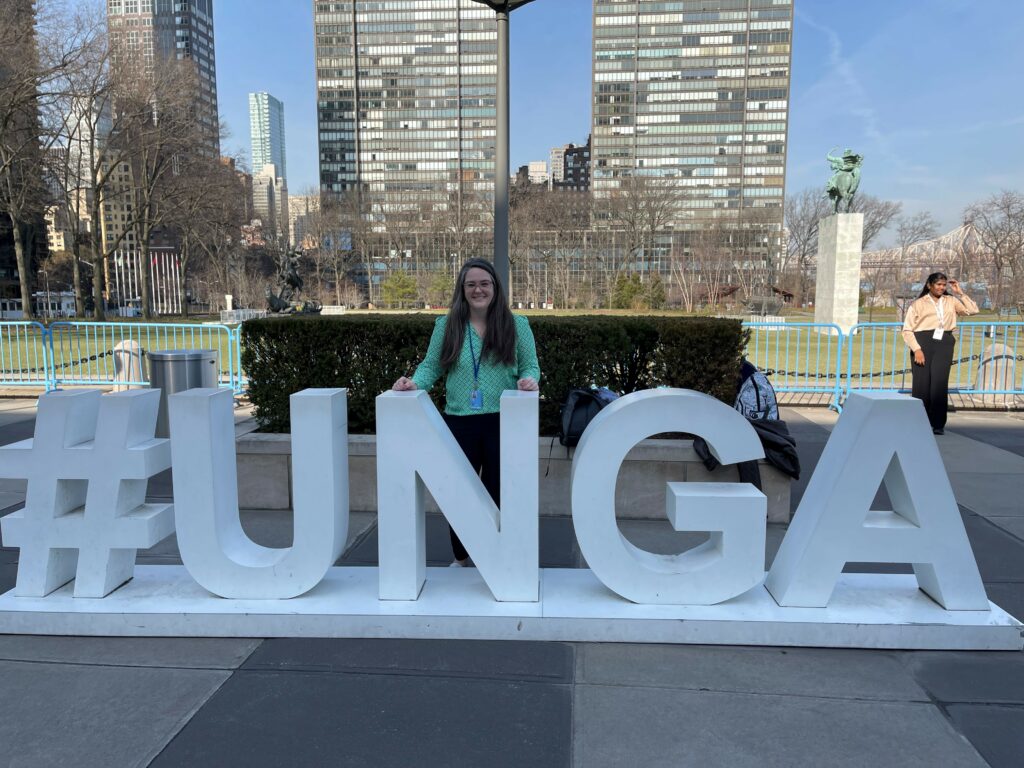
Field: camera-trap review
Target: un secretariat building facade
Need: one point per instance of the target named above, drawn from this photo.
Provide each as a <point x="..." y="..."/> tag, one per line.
<point x="406" y="102"/>
<point x="695" y="92"/>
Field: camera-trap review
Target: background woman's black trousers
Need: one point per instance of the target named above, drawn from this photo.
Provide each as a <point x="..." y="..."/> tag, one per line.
<point x="479" y="437"/>
<point x="931" y="380"/>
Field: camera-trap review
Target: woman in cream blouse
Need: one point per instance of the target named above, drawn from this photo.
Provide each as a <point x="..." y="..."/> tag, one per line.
<point x="928" y="331"/>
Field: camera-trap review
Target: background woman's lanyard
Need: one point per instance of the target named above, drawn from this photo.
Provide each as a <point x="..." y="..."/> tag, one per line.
<point x="476" y="400"/>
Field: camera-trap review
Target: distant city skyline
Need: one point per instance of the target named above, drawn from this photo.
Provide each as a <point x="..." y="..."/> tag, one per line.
<point x="938" y="131"/>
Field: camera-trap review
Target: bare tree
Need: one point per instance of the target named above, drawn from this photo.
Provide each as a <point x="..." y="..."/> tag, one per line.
<point x="878" y="214"/>
<point x="79" y="122"/>
<point x="206" y="207"/>
<point x="803" y="212"/>
<point x="156" y="104"/>
<point x="999" y="224"/>
<point x="640" y="208"/>
<point x="347" y="225"/>
<point x="38" y="47"/>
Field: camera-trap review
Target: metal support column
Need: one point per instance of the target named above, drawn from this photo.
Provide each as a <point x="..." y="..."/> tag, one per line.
<point x="501" y="160"/>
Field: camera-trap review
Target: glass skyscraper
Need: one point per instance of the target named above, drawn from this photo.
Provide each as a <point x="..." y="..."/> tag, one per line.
<point x="181" y="29"/>
<point x="266" y="131"/>
<point x="694" y="93"/>
<point x="406" y="103"/>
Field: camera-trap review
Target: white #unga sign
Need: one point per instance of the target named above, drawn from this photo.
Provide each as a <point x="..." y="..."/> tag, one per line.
<point x="85" y="517"/>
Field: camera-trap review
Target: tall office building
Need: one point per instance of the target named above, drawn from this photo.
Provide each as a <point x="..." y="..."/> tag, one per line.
<point x="266" y="130"/>
<point x="270" y="203"/>
<point x="694" y="93"/>
<point x="181" y="29"/>
<point x="575" y="170"/>
<point x="558" y="163"/>
<point x="406" y="104"/>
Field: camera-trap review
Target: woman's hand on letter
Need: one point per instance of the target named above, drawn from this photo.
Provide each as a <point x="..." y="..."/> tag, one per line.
<point x="919" y="356"/>
<point x="528" y="384"/>
<point x="404" y="384"/>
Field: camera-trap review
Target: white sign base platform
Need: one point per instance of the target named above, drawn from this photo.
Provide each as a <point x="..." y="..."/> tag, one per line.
<point x="866" y="611"/>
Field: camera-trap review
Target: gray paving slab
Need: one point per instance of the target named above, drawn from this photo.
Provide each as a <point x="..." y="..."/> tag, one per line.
<point x="161" y="652"/>
<point x="11" y="499"/>
<point x="495" y="660"/>
<point x="967" y="454"/>
<point x="271" y="528"/>
<point x="558" y="547"/>
<point x="439" y="548"/>
<point x="12" y="485"/>
<point x="996" y="732"/>
<point x="995" y="495"/>
<point x="1005" y="431"/>
<point x="1000" y="555"/>
<point x="839" y="674"/>
<point x="994" y="678"/>
<point x="654" y="727"/>
<point x="15" y="430"/>
<point x="302" y="719"/>
<point x="1007" y="595"/>
<point x="85" y="716"/>
<point x="1012" y="525"/>
<point x="8" y="577"/>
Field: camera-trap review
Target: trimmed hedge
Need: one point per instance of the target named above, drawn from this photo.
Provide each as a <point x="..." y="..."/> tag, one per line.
<point x="367" y="353"/>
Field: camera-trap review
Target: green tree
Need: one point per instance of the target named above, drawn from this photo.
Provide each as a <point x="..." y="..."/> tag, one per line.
<point x="628" y="291"/>
<point x="440" y="289"/>
<point x="399" y="289"/>
<point x="656" y="292"/>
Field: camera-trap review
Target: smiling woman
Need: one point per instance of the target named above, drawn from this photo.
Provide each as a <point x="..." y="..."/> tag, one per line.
<point x="481" y="349"/>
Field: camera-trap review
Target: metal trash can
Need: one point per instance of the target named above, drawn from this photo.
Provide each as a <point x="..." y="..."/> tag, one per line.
<point x="175" y="370"/>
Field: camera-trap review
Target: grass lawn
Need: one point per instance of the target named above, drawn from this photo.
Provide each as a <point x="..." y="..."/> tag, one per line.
<point x="82" y="352"/>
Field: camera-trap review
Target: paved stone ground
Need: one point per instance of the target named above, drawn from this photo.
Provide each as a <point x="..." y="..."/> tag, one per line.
<point x="172" y="702"/>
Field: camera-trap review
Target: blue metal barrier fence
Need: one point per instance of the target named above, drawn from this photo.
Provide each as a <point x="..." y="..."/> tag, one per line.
<point x="83" y="353"/>
<point x="802" y="358"/>
<point x="988" y="360"/>
<point x="24" y="354"/>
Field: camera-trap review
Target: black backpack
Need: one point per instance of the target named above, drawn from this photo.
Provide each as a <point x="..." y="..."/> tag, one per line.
<point x="580" y="406"/>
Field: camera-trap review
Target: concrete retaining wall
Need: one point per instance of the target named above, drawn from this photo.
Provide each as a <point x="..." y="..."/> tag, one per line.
<point x="264" y="476"/>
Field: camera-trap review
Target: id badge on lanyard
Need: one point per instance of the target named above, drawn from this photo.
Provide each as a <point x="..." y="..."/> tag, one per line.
<point x="476" y="397"/>
<point x="937" y="333"/>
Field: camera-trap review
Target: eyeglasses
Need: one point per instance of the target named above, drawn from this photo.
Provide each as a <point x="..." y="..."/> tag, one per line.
<point x="483" y="284"/>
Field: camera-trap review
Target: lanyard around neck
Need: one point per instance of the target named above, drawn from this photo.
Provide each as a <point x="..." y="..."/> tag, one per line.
<point x="473" y="357"/>
<point x="938" y="308"/>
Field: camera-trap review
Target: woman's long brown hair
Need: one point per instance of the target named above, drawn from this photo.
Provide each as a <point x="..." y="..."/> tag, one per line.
<point x="500" y="338"/>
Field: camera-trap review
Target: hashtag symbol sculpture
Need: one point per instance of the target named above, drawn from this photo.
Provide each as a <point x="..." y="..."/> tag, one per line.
<point x="87" y="469"/>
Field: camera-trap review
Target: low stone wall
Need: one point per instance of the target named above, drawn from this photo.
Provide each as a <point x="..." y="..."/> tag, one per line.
<point x="264" y="476"/>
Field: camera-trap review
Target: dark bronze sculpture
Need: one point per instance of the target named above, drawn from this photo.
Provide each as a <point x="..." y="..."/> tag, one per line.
<point x="842" y="186"/>
<point x="290" y="283"/>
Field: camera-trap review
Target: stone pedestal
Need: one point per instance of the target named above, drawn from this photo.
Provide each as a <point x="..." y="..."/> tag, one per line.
<point x="837" y="292"/>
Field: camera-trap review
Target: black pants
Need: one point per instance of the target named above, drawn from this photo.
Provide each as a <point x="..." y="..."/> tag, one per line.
<point x="479" y="437"/>
<point x="931" y="380"/>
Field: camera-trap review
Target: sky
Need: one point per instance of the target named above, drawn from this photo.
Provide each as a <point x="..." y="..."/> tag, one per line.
<point x="929" y="91"/>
